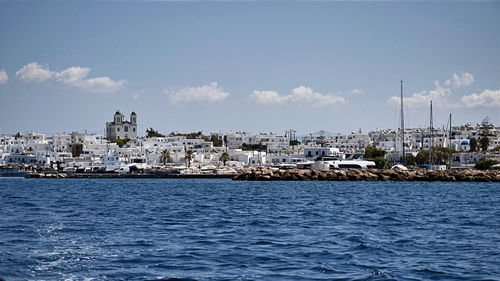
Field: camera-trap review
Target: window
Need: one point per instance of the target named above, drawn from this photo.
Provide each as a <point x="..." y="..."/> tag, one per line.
<point x="133" y="129"/>
<point x="117" y="129"/>
<point x="126" y="128"/>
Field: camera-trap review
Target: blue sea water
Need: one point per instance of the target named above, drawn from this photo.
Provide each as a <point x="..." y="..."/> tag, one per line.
<point x="158" y="229"/>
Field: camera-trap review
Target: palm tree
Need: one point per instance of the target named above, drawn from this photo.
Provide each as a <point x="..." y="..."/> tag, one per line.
<point x="224" y="158"/>
<point x="165" y="156"/>
<point x="189" y="156"/>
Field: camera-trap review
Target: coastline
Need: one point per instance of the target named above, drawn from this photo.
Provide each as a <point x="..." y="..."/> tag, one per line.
<point x="125" y="175"/>
<point x="275" y="174"/>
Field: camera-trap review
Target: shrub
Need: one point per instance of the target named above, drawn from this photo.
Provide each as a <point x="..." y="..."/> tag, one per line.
<point x="485" y="164"/>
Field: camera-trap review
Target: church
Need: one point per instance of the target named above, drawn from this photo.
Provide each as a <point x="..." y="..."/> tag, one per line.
<point x="121" y="128"/>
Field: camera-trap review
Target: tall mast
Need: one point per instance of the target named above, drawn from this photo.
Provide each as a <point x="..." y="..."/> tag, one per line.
<point x="402" y="125"/>
<point x="449" y="138"/>
<point x="431" y="127"/>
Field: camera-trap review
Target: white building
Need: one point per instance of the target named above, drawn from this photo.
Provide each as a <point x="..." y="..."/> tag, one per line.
<point x="121" y="128"/>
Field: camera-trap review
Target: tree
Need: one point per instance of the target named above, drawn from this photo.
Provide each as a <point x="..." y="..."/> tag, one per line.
<point x="321" y="140"/>
<point x="120" y="142"/>
<point x="484" y="132"/>
<point x="485" y="164"/>
<point x="153" y="133"/>
<point x="381" y="162"/>
<point x="254" y="146"/>
<point x="473" y="145"/>
<point x="484" y="142"/>
<point x="485" y="127"/>
<point x="189" y="156"/>
<point x="165" y="156"/>
<point x="224" y="158"/>
<point x="439" y="156"/>
<point x="373" y="152"/>
<point x="410" y="160"/>
<point x="216" y="140"/>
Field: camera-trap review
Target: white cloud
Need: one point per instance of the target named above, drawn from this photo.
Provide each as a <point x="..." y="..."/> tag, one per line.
<point x="3" y="77"/>
<point x="138" y="94"/>
<point x="70" y="77"/>
<point x="357" y="92"/>
<point x="459" y="81"/>
<point x="266" y="97"/>
<point x="33" y="72"/>
<point x="209" y="93"/>
<point x="299" y="95"/>
<point x="439" y="95"/>
<point x="488" y="98"/>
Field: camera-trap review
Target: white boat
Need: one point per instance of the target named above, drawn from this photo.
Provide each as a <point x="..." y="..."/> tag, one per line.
<point x="399" y="167"/>
<point x="305" y="165"/>
<point x="350" y="164"/>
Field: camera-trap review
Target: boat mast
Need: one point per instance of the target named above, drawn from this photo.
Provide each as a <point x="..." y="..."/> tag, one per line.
<point x="449" y="144"/>
<point x="402" y="125"/>
<point x="431" y="127"/>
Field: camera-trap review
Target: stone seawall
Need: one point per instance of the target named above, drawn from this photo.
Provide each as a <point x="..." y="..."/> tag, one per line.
<point x="270" y="174"/>
<point x="125" y="175"/>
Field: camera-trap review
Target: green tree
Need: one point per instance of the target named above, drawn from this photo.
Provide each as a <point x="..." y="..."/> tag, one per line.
<point x="381" y="162"/>
<point x="439" y="156"/>
<point x="485" y="131"/>
<point x="485" y="164"/>
<point x="294" y="142"/>
<point x="216" y="140"/>
<point x="153" y="133"/>
<point x="473" y="145"/>
<point x="484" y="142"/>
<point x="224" y="158"/>
<point x="485" y="127"/>
<point x="373" y="152"/>
<point x="410" y="160"/>
<point x="189" y="157"/>
<point x="254" y="146"/>
<point x="120" y="142"/>
<point x="165" y="156"/>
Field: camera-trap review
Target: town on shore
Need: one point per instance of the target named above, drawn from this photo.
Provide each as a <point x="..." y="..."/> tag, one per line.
<point x="121" y="151"/>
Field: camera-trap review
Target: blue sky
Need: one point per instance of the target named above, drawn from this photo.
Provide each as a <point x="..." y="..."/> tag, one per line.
<point x="255" y="66"/>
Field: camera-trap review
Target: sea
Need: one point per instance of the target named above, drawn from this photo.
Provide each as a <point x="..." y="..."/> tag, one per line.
<point x="219" y="229"/>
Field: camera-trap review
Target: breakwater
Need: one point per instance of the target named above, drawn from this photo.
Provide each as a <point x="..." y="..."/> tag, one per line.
<point x="274" y="174"/>
<point x="52" y="175"/>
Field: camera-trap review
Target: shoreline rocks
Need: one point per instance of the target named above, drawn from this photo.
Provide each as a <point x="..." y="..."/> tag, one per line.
<point x="275" y="174"/>
<point x="126" y="175"/>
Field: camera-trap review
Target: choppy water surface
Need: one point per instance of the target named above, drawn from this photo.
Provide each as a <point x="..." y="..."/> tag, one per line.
<point x="122" y="229"/>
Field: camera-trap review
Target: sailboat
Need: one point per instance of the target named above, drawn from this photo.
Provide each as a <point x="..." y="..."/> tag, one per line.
<point x="403" y="159"/>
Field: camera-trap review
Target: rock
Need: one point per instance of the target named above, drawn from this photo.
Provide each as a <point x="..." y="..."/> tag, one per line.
<point x="383" y="177"/>
<point x="332" y="176"/>
<point x="353" y="175"/>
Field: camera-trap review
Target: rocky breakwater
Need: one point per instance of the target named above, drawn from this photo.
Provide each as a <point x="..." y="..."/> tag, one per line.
<point x="275" y="174"/>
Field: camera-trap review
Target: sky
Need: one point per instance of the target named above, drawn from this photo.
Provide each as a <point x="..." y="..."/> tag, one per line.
<point x="247" y="66"/>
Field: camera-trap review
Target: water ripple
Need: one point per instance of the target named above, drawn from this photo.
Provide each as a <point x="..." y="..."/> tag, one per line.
<point x="169" y="229"/>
